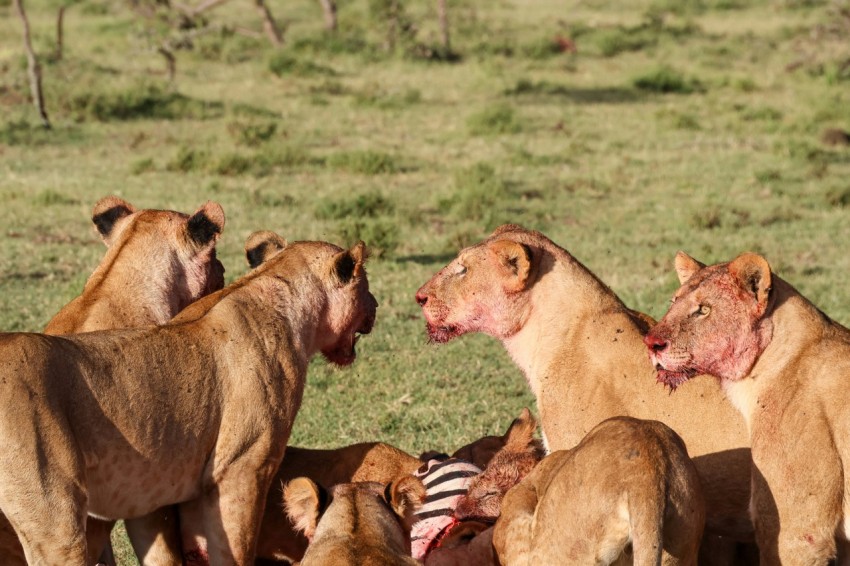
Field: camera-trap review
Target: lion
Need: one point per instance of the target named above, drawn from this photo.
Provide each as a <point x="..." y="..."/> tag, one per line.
<point x="220" y="395"/>
<point x="629" y="482"/>
<point x="157" y="262"/>
<point x="357" y="524"/>
<point x="581" y="350"/>
<point x="783" y="364"/>
<point x="176" y="252"/>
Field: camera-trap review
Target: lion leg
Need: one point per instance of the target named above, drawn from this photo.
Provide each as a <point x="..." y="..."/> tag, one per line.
<point x="97" y="541"/>
<point x="50" y="526"/>
<point x="798" y="528"/>
<point x="233" y="508"/>
<point x="512" y="535"/>
<point x="156" y="537"/>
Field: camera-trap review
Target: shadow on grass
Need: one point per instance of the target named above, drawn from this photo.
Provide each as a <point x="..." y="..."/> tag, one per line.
<point x="593" y="95"/>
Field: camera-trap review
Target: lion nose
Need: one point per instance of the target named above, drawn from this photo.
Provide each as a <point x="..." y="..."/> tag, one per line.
<point x="655" y="344"/>
<point x="421" y="298"/>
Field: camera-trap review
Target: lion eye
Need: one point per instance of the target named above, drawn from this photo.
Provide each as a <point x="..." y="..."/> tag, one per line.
<point x="703" y="310"/>
<point x="461" y="270"/>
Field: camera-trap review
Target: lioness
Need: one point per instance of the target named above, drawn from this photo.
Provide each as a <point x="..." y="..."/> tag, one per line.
<point x="356" y="524"/>
<point x="221" y="393"/>
<point x="628" y="482"/>
<point x="582" y="352"/>
<point x="176" y="254"/>
<point x="157" y="263"/>
<point x="783" y="363"/>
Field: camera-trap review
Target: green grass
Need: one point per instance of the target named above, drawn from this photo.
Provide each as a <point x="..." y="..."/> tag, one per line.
<point x="674" y="125"/>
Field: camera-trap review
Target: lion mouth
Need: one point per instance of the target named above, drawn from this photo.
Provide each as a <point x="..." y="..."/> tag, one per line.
<point x="440" y="334"/>
<point x="673" y="378"/>
<point x="345" y="351"/>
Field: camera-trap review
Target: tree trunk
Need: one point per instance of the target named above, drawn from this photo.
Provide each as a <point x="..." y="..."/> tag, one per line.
<point x="60" y="32"/>
<point x="443" y="14"/>
<point x="269" y="25"/>
<point x="329" y="9"/>
<point x="33" y="68"/>
<point x="170" y="62"/>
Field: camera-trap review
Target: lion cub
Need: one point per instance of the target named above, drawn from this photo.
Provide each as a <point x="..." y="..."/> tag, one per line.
<point x="358" y="524"/>
<point x="628" y="482"/>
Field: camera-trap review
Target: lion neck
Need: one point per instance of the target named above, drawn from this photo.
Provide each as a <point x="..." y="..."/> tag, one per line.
<point x="790" y="328"/>
<point x="284" y="311"/>
<point x="563" y="295"/>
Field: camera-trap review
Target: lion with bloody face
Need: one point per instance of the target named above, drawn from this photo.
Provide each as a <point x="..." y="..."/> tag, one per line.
<point x="785" y="366"/>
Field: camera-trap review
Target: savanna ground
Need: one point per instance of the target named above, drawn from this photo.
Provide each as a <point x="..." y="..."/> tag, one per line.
<point x="695" y="125"/>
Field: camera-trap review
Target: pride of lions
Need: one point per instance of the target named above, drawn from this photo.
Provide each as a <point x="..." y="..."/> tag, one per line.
<point x="162" y="397"/>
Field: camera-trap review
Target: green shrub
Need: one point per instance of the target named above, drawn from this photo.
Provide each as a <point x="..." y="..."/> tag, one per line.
<point x="369" y="205"/>
<point x="479" y="195"/>
<point x="251" y="134"/>
<point x="49" y="197"/>
<point x="380" y="234"/>
<point x="365" y="162"/>
<point x="232" y="164"/>
<point x="495" y="120"/>
<point x="143" y="101"/>
<point x="281" y="64"/>
<point x="142" y="166"/>
<point x="188" y="160"/>
<point x="666" y="80"/>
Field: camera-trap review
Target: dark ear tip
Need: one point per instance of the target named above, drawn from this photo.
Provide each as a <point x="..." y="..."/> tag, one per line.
<point x="206" y="224"/>
<point x="107" y="211"/>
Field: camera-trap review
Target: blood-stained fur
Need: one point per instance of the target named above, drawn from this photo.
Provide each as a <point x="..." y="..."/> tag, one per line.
<point x="784" y="364"/>
<point x="581" y="350"/>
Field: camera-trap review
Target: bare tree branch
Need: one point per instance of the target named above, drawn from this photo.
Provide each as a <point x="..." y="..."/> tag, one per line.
<point x="269" y="25"/>
<point x="60" y="32"/>
<point x="33" y="68"/>
<point x="170" y="61"/>
<point x="329" y="9"/>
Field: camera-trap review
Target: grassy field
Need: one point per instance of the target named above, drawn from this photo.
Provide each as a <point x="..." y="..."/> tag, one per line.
<point x="695" y="125"/>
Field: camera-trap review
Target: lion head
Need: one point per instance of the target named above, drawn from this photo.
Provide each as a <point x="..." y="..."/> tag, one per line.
<point x="481" y="290"/>
<point x="716" y="323"/>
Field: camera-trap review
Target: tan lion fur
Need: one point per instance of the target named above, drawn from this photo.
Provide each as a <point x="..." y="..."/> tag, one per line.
<point x="157" y="262"/>
<point x="153" y="266"/>
<point x="783" y="363"/>
<point x="628" y="482"/>
<point x="581" y="350"/>
<point x="356" y="524"/>
<point x="221" y="393"/>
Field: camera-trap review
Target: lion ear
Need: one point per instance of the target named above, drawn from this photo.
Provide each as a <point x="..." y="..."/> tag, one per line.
<point x="349" y="264"/>
<point x="305" y="502"/>
<point x="521" y="432"/>
<point x="686" y="266"/>
<point x="405" y="496"/>
<point x="206" y="224"/>
<point x="261" y="246"/>
<point x="752" y="273"/>
<point x="106" y="214"/>
<point x="514" y="262"/>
